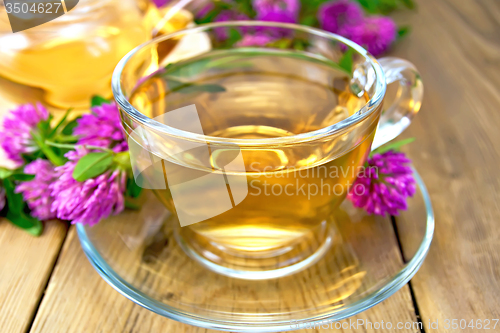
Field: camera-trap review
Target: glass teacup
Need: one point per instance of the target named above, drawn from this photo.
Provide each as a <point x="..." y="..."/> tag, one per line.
<point x="252" y="144"/>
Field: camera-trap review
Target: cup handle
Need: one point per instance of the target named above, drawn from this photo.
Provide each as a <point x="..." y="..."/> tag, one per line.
<point x="397" y="116"/>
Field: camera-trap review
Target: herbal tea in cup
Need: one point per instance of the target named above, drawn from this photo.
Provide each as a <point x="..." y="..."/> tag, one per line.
<point x="253" y="148"/>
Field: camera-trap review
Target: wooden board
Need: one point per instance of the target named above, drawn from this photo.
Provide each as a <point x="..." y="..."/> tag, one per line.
<point x="456" y="47"/>
<point x="26" y="263"/>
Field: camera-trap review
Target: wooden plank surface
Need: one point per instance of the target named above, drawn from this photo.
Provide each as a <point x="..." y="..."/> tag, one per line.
<point x="79" y="300"/>
<point x="456" y="46"/>
<point x="25" y="266"/>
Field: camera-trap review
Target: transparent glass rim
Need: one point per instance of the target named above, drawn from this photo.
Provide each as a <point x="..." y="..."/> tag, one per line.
<point x="371" y="106"/>
<point x="370" y="300"/>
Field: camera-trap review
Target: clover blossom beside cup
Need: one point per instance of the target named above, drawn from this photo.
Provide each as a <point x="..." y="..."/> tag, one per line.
<point x="76" y="170"/>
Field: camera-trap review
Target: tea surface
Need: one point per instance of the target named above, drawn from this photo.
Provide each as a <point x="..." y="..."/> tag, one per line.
<point x="291" y="195"/>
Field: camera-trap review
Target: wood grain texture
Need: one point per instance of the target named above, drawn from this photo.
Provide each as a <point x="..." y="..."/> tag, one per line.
<point x="25" y="266"/>
<point x="456" y="47"/>
<point x="79" y="300"/>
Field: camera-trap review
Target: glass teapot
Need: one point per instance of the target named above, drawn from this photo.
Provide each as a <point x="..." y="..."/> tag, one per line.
<point x="73" y="56"/>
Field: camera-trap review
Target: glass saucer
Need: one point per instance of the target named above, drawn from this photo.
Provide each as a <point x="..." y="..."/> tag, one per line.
<point x="137" y="254"/>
